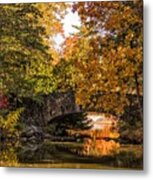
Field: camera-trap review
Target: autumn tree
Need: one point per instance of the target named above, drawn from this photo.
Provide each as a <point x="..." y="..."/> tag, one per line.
<point x="108" y="52"/>
<point x="27" y="55"/>
<point x="26" y="49"/>
<point x="108" y="56"/>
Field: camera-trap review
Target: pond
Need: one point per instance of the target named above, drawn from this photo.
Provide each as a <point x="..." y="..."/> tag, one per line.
<point x="67" y="155"/>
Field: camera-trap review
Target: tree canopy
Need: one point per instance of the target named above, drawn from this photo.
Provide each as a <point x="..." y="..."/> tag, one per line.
<point x="107" y="53"/>
<point x="26" y="50"/>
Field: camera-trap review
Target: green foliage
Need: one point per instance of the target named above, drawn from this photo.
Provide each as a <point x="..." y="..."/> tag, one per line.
<point x="9" y="122"/>
<point x="64" y="74"/>
<point x="25" y="55"/>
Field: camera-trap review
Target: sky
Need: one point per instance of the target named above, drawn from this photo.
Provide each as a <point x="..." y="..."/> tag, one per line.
<point x="68" y="22"/>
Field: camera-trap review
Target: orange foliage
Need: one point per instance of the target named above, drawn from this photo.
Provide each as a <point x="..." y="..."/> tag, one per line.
<point x="107" y="53"/>
<point x="96" y="145"/>
<point x="99" y="147"/>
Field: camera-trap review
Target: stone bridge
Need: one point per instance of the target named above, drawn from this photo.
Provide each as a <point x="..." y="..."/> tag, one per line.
<point x="53" y="106"/>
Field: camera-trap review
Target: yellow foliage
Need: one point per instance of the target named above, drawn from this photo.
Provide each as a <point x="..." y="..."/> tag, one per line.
<point x="10" y="120"/>
<point x="107" y="53"/>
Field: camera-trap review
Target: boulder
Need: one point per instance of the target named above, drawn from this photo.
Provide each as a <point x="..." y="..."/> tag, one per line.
<point x="32" y="133"/>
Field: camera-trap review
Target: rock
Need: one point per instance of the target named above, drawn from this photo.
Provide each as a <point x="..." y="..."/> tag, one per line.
<point x="24" y="139"/>
<point x="32" y="133"/>
<point x="33" y="139"/>
<point x="47" y="136"/>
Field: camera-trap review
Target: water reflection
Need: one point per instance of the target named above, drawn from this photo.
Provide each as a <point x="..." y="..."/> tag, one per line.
<point x="42" y="153"/>
<point x="8" y="155"/>
<point x="100" y="147"/>
<point x="65" y="154"/>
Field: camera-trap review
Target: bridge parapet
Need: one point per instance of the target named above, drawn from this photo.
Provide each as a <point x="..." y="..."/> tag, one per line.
<point x="54" y="105"/>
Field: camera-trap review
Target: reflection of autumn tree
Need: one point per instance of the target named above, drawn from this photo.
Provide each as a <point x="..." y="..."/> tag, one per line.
<point x="98" y="142"/>
<point x="8" y="157"/>
<point x="100" y="147"/>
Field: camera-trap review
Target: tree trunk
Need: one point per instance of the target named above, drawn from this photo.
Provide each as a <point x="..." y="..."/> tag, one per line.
<point x="138" y="96"/>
